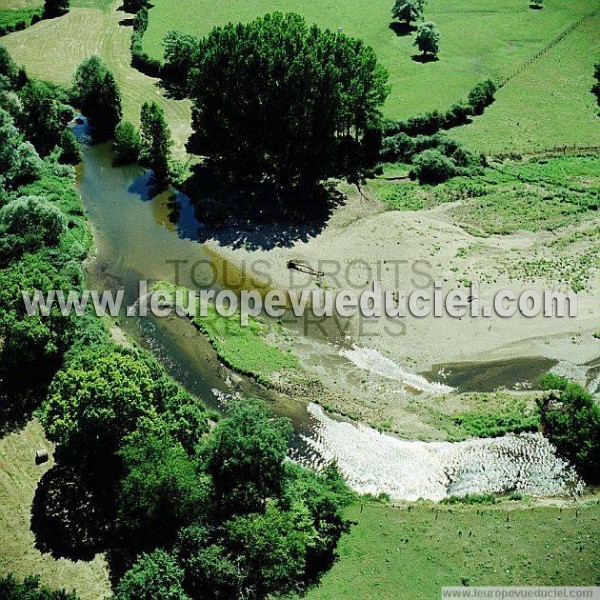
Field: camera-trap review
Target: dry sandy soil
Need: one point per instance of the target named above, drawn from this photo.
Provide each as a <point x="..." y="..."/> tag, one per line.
<point x="359" y="246"/>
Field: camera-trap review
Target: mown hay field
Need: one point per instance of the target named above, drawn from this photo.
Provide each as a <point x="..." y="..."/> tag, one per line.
<point x="52" y="49"/>
<point x="19" y="477"/>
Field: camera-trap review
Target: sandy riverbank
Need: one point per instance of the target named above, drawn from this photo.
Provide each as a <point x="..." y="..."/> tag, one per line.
<point x="361" y="243"/>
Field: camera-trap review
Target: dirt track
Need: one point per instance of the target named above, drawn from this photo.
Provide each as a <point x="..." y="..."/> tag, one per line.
<point x="52" y="49"/>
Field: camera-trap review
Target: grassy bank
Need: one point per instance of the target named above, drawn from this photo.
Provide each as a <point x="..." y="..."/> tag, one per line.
<point x="411" y="552"/>
<point x="256" y="350"/>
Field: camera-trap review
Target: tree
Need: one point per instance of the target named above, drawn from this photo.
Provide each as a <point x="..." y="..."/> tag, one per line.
<point x="245" y="457"/>
<point x="19" y="161"/>
<point x="156" y="141"/>
<point x="181" y="53"/>
<point x="408" y="10"/>
<point x="277" y="102"/>
<point x="537" y="3"/>
<point x="126" y="143"/>
<point x="70" y="149"/>
<point x="133" y="6"/>
<point x="570" y="419"/>
<point x="44" y="116"/>
<point x="428" y="39"/>
<point x="596" y="87"/>
<point x="431" y="166"/>
<point x="29" y="223"/>
<point x="270" y="550"/>
<point x="98" y="95"/>
<point x="154" y="576"/>
<point x="30" y="589"/>
<point x="9" y="72"/>
<point x="97" y="400"/>
<point x="162" y="490"/>
<point x="32" y="342"/>
<point x="140" y="21"/>
<point x="56" y="8"/>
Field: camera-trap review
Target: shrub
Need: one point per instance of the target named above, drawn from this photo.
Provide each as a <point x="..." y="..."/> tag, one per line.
<point x="570" y="419"/>
<point x="431" y="166"/>
<point x="481" y="96"/>
<point x="30" y="589"/>
<point x="70" y="149"/>
<point x="154" y="576"/>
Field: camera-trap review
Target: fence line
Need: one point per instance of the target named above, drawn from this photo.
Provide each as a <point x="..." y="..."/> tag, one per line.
<point x="559" y="38"/>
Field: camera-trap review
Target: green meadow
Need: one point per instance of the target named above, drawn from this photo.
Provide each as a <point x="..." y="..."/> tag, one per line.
<point x="409" y="553"/>
<point x="479" y="40"/>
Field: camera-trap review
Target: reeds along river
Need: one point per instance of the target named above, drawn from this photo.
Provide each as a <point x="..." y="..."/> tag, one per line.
<point x="139" y="237"/>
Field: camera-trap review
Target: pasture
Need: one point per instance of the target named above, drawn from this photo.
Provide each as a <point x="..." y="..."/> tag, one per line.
<point x="409" y="553"/>
<point x="550" y="100"/>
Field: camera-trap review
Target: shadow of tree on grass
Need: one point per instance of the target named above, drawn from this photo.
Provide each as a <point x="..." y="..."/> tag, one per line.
<point x="402" y="29"/>
<point x="69" y="518"/>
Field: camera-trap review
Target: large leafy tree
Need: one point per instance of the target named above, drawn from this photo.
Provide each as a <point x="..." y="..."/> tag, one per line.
<point x="98" y="95"/>
<point x="162" y="490"/>
<point x="44" y="116"/>
<point x="19" y="161"/>
<point x="276" y="101"/>
<point x="408" y="10"/>
<point x="32" y="341"/>
<point x="97" y="400"/>
<point x="28" y="224"/>
<point x="428" y="39"/>
<point x="156" y="141"/>
<point x="245" y="457"/>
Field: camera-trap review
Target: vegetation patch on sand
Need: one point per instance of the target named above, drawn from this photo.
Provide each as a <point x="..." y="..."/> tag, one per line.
<point x="484" y="414"/>
<point x="257" y="349"/>
<point x="410" y="552"/>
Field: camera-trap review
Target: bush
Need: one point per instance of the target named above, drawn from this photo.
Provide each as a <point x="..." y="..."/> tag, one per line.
<point x="127" y="143"/>
<point x="570" y="419"/>
<point x="70" y="149"/>
<point x="154" y="576"/>
<point x="431" y="166"/>
<point x="27" y="224"/>
<point x="481" y="96"/>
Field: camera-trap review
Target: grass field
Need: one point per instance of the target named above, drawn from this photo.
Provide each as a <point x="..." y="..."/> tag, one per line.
<point x="549" y="104"/>
<point x="479" y="39"/>
<point x="410" y="552"/>
<point x="19" y="477"/>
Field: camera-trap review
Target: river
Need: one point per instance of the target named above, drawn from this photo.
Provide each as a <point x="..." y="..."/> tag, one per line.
<point x="139" y="236"/>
